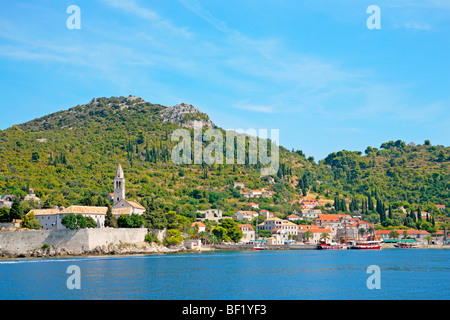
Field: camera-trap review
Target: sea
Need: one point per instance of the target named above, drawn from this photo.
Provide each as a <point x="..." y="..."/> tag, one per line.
<point x="387" y="274"/>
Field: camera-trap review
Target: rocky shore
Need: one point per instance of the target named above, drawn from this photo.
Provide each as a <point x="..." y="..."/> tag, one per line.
<point x="111" y="249"/>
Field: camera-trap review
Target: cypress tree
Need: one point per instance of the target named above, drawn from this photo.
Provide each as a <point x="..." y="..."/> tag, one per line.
<point x="110" y="221"/>
<point x="16" y="211"/>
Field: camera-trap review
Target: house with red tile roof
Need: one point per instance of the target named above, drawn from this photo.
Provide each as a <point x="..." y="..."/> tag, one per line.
<point x="199" y="225"/>
<point x="293" y="217"/>
<point x="253" y="205"/>
<point x="309" y="204"/>
<point x="248" y="232"/>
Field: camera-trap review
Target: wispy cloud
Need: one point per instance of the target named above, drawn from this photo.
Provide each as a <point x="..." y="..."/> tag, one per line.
<point x="132" y="7"/>
<point x="246" y="105"/>
<point x="417" y="25"/>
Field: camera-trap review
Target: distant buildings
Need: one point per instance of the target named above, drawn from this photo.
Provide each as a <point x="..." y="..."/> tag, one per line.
<point x="343" y="225"/>
<point x="245" y="215"/>
<point x="259" y="193"/>
<point x="211" y="214"/>
<point x="32" y="196"/>
<point x="309" y="204"/>
<point x="6" y="200"/>
<point x="283" y="228"/>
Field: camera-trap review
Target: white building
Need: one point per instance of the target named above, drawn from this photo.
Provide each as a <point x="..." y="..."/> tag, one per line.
<point x="245" y="215"/>
<point x="310" y="214"/>
<point x="239" y="184"/>
<point x="266" y="214"/>
<point x="51" y="219"/>
<point x="248" y="233"/>
<point x="211" y="214"/>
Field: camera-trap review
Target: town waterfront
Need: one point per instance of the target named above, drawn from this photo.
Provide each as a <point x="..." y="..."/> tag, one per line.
<point x="234" y="275"/>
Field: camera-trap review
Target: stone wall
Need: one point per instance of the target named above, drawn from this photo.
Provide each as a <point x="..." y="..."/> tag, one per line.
<point x="75" y="241"/>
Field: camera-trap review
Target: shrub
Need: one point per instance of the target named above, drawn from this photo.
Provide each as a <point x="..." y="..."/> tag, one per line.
<point x="174" y="237"/>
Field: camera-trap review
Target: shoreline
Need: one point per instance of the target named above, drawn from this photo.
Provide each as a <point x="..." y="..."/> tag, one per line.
<point x="154" y="249"/>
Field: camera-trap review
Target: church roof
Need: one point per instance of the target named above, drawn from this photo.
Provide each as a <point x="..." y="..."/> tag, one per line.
<point x="119" y="172"/>
<point x="136" y="204"/>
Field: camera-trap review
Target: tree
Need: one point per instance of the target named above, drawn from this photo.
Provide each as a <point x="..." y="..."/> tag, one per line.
<point x="4" y="215"/>
<point x="173" y="237"/>
<point x="429" y="239"/>
<point x="90" y="222"/>
<point x="361" y="231"/>
<point x="393" y="234"/>
<point x="307" y="235"/>
<point x="70" y="222"/>
<point x="110" y="220"/>
<point x="75" y="222"/>
<point x="35" y="157"/>
<point x="47" y="203"/>
<point x="130" y="221"/>
<point x="30" y="222"/>
<point x="324" y="236"/>
<point x="16" y="210"/>
<point x="221" y="233"/>
<point x="233" y="231"/>
<point x="81" y="221"/>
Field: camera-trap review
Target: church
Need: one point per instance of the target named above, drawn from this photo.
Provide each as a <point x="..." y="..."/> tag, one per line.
<point x="50" y="219"/>
<point x="119" y="201"/>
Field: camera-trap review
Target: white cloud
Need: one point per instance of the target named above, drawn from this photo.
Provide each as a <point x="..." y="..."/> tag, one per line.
<point x="132" y="7"/>
<point x="246" y="105"/>
<point x="417" y="25"/>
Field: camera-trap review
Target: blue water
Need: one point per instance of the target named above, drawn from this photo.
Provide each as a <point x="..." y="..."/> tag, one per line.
<point x="234" y="275"/>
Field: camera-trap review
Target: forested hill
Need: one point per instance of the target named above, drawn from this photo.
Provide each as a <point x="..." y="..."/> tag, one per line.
<point x="395" y="172"/>
<point x="71" y="155"/>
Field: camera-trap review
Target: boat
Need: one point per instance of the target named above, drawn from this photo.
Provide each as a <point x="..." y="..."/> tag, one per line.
<point x="331" y="246"/>
<point x="406" y="245"/>
<point x="259" y="245"/>
<point x="368" y="243"/>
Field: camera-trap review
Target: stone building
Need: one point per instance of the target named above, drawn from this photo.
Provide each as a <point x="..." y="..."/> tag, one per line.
<point x="51" y="219"/>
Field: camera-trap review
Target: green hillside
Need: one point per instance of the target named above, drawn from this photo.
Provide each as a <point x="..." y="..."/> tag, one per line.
<point x="70" y="156"/>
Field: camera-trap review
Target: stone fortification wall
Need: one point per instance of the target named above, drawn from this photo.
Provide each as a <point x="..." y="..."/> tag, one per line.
<point x="74" y="241"/>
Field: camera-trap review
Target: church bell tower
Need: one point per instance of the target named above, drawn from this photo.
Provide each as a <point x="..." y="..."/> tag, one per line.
<point x="119" y="185"/>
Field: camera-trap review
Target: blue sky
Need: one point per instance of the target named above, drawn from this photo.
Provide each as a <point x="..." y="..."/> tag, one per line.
<point x="311" y="69"/>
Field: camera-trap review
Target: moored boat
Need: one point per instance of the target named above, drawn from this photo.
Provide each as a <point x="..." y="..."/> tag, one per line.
<point x="331" y="246"/>
<point x="406" y="245"/>
<point x="259" y="245"/>
<point x="366" y="244"/>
